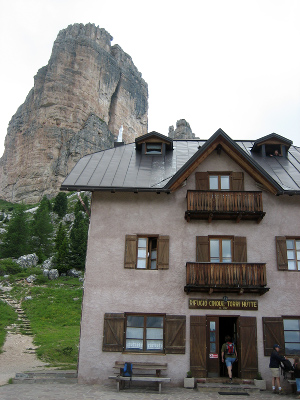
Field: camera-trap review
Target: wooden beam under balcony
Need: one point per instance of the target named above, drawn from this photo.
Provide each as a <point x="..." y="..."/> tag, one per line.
<point x="219" y="205"/>
<point x="226" y="278"/>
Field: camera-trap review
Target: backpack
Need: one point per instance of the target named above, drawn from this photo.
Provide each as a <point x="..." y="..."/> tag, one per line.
<point x="229" y="348"/>
<point x="127" y="370"/>
<point x="286" y="366"/>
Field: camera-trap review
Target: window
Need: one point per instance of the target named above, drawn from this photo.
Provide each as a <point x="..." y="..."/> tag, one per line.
<point x="220" y="250"/>
<point x="282" y="330"/>
<point x="292" y="336"/>
<point x="219" y="182"/>
<point x="293" y="254"/>
<point x="152" y="333"/>
<point x="223" y="180"/>
<point x="153" y="148"/>
<point x="146" y="252"/>
<point x="288" y="253"/>
<point x="144" y="333"/>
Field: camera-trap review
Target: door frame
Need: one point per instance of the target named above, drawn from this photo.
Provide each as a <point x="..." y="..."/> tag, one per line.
<point x="199" y="345"/>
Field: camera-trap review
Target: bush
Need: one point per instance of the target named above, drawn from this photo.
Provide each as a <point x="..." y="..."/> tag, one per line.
<point x="9" y="267"/>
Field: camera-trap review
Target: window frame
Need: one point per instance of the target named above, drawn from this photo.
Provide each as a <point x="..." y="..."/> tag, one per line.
<point x="281" y="252"/>
<point x="162" y="251"/>
<point x="236" y="180"/>
<point x="154" y="152"/>
<point x="219" y="175"/>
<point x="296" y="318"/>
<point x="145" y="316"/>
<point x="297" y="262"/>
<point x="150" y="241"/>
<point x="221" y="238"/>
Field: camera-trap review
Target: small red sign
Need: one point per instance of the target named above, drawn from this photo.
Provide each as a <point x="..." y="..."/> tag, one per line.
<point x="212" y="355"/>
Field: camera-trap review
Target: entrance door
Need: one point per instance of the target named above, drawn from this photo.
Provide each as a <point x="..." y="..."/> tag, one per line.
<point x="228" y="327"/>
<point x="207" y="334"/>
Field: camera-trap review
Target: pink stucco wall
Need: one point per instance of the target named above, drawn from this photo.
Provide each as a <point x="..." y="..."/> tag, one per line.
<point x="111" y="288"/>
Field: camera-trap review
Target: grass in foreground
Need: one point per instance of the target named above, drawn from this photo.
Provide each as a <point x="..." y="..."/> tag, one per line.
<point x="8" y="317"/>
<point x="54" y="313"/>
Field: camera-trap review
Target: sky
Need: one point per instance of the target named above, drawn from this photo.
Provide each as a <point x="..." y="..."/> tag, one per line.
<point x="230" y="64"/>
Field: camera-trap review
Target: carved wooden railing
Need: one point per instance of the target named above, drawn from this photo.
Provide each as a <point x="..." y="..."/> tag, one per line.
<point x="237" y="276"/>
<point x="221" y="203"/>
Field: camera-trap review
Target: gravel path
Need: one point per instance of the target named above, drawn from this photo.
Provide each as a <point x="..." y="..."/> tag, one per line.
<point x="18" y="356"/>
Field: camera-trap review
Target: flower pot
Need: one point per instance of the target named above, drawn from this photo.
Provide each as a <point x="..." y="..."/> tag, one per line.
<point x="260" y="383"/>
<point x="189" y="383"/>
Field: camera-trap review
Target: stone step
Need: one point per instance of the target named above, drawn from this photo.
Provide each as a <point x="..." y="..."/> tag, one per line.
<point x="46" y="377"/>
<point x="227" y="387"/>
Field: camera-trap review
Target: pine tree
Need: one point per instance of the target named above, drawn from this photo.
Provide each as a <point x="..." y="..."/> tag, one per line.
<point x="78" y="237"/>
<point x="42" y="230"/>
<point x="16" y="240"/>
<point x="61" y="204"/>
<point x="62" y="250"/>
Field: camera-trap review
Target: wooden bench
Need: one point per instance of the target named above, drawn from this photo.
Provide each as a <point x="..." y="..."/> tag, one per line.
<point x="138" y="368"/>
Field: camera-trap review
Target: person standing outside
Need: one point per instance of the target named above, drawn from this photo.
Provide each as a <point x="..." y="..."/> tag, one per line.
<point x="274" y="365"/>
<point x="229" y="355"/>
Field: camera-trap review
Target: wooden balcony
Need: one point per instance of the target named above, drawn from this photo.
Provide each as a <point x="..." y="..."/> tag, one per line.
<point x="210" y="204"/>
<point x="226" y="278"/>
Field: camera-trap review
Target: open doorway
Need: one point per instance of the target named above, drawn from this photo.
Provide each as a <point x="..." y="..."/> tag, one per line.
<point x="227" y="326"/>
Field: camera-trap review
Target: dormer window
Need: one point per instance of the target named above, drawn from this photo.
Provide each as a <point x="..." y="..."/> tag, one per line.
<point x="272" y="145"/>
<point x="153" y="148"/>
<point x="154" y="144"/>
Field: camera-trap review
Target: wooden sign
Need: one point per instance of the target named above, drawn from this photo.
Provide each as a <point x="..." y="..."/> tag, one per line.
<point x="213" y="304"/>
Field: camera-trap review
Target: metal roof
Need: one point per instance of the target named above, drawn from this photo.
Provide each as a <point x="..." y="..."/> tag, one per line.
<point x="124" y="168"/>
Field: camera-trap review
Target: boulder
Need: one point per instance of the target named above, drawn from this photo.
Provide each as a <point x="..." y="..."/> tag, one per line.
<point x="46" y="273"/>
<point x="48" y="264"/>
<point x="53" y="274"/>
<point x="27" y="261"/>
<point x="74" y="273"/>
<point x="31" y="278"/>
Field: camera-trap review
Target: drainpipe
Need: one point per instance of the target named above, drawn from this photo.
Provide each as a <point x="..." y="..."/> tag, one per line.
<point x="84" y="206"/>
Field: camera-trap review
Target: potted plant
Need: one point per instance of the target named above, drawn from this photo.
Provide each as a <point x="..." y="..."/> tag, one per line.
<point x="260" y="382"/>
<point x="189" y="381"/>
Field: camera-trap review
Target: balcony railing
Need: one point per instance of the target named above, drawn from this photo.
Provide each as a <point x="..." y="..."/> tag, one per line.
<point x="226" y="277"/>
<point x="209" y="204"/>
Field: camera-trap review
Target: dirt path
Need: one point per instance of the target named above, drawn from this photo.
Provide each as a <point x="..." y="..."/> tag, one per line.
<point x="18" y="356"/>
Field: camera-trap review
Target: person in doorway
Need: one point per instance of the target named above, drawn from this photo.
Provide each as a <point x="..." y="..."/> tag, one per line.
<point x="274" y="365"/>
<point x="296" y="368"/>
<point x="229" y="355"/>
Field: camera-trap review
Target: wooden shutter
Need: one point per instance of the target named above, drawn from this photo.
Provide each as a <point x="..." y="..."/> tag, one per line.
<point x="163" y="252"/>
<point x="130" y="251"/>
<point x="237" y="181"/>
<point x="273" y="334"/>
<point x="202" y="181"/>
<point x="202" y="249"/>
<point x="198" y="346"/>
<point x="175" y="327"/>
<point x="113" y="332"/>
<point x="281" y="250"/>
<point x="247" y="347"/>
<point x="239" y="249"/>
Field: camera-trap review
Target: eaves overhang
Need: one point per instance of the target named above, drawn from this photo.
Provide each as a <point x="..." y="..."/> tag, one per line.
<point x="112" y="189"/>
<point x="221" y="141"/>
